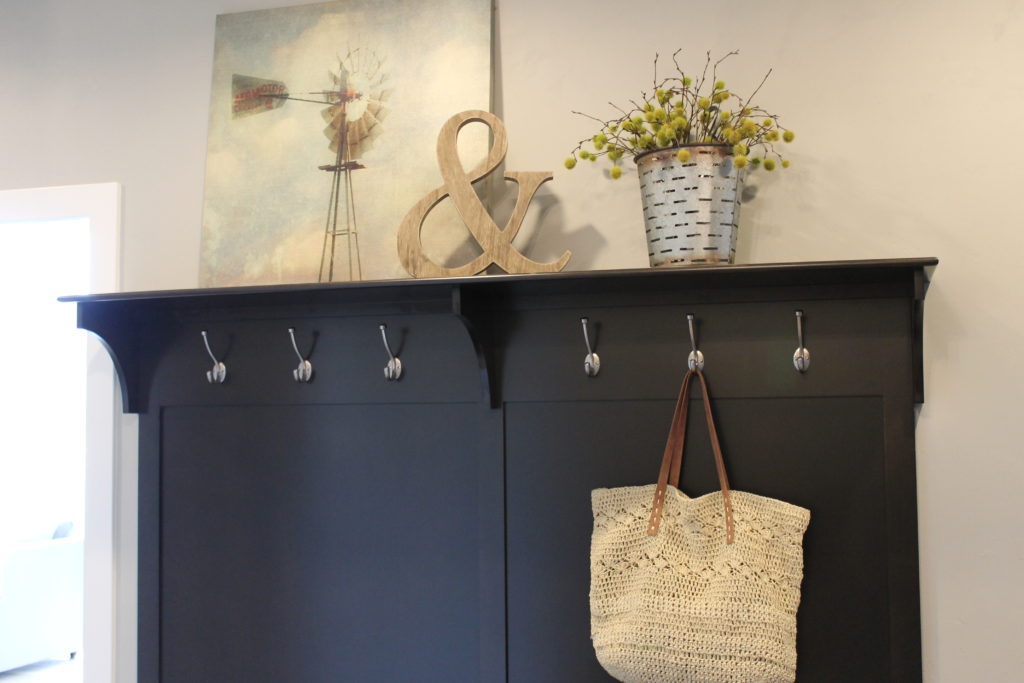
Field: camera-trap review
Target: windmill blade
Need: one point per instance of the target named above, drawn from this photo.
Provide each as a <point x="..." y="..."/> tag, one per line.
<point x="251" y="95"/>
<point x="333" y="133"/>
<point x="380" y="114"/>
<point x="356" y="149"/>
<point x="378" y="109"/>
<point x="357" y="134"/>
<point x="376" y="74"/>
<point x="361" y="129"/>
<point x="378" y="100"/>
<point x="376" y="104"/>
<point x="362" y="132"/>
<point x="369" y="121"/>
<point x="333" y="115"/>
<point x="357" y="130"/>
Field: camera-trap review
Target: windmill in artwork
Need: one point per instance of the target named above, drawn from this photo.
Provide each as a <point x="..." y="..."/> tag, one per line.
<point x="356" y="106"/>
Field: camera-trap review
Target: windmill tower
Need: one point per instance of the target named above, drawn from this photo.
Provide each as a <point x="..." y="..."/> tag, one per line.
<point x="353" y="123"/>
<point x="355" y="109"/>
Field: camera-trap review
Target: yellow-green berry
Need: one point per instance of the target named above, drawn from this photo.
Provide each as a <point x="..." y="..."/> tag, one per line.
<point x="769" y="164"/>
<point x="703" y="102"/>
<point x="683" y="155"/>
<point x="725" y="115"/>
<point x="613" y="127"/>
<point x="719" y="85"/>
<point x="755" y="161"/>
<point x="570" y="163"/>
<point x="739" y="150"/>
<point x="687" y="81"/>
<point x="616" y="172"/>
<point x="600" y="140"/>
<point x="767" y="123"/>
<point x="646" y="140"/>
<point x="788" y="135"/>
<point x="785" y="163"/>
<point x="740" y="161"/>
<point x="614" y="153"/>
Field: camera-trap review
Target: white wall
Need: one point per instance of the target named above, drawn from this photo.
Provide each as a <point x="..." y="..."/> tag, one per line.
<point x="906" y="116"/>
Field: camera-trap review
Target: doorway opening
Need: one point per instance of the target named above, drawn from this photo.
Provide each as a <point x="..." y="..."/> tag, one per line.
<point x="42" y="447"/>
<point x="59" y="483"/>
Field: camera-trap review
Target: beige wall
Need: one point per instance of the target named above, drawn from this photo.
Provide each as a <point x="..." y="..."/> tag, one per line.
<point x="907" y="117"/>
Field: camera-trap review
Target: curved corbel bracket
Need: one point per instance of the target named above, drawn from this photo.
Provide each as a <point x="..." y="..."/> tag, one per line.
<point x="478" y="334"/>
<point x="116" y="329"/>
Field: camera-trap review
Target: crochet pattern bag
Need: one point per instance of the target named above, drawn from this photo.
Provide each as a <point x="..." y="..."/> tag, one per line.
<point x="701" y="590"/>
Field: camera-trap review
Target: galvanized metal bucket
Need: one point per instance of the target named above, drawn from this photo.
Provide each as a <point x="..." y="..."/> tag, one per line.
<point x="691" y="209"/>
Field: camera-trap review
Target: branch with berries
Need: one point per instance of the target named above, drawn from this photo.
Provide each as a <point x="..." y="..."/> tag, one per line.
<point x="683" y="111"/>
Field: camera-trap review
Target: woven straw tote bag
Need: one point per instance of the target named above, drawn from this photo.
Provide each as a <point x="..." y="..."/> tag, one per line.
<point x="695" y="590"/>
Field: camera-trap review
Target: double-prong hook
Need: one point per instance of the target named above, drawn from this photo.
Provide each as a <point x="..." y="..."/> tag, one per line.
<point x="219" y="372"/>
<point x="695" y="360"/>
<point x="393" y="370"/>
<point x="304" y="372"/>
<point x="801" y="357"/>
<point x="592" y="361"/>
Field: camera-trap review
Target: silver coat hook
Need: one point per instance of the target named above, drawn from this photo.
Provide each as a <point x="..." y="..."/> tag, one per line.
<point x="393" y="370"/>
<point x="303" y="373"/>
<point x="695" y="360"/>
<point x="801" y="357"/>
<point x="592" y="361"/>
<point x="219" y="372"/>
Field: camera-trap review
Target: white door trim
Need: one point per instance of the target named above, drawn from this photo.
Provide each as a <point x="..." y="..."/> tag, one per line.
<point x="101" y="204"/>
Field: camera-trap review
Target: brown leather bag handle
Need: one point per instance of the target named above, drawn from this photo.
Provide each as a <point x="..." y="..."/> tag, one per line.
<point x="672" y="459"/>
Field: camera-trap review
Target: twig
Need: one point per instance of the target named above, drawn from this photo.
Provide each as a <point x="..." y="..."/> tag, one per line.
<point x="759" y="85"/>
<point x="592" y="118"/>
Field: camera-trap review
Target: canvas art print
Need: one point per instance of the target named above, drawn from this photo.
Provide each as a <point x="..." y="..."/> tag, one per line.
<point x="323" y="128"/>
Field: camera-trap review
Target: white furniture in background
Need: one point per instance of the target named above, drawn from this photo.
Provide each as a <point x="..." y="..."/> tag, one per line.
<point x="40" y="601"/>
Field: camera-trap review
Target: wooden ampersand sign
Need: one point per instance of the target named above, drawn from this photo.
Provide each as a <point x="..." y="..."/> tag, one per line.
<point x="495" y="242"/>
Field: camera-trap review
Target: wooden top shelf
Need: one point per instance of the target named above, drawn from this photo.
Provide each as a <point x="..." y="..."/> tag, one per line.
<point x="741" y="275"/>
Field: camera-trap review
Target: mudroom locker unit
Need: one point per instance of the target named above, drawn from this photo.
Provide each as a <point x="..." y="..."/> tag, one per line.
<point x="436" y="527"/>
